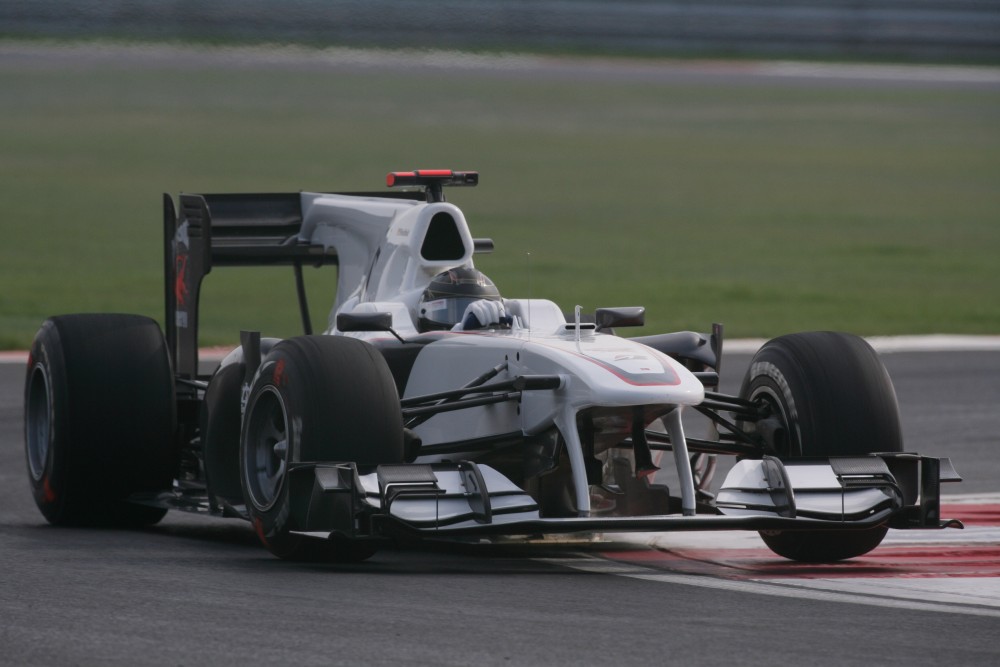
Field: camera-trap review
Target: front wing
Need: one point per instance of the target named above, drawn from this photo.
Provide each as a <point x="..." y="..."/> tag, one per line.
<point x="465" y="499"/>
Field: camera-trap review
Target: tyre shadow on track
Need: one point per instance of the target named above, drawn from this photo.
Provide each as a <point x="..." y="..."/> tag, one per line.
<point x="403" y="557"/>
<point x="199" y="540"/>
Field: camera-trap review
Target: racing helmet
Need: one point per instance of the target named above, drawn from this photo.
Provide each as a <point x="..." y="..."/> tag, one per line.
<point x="444" y="301"/>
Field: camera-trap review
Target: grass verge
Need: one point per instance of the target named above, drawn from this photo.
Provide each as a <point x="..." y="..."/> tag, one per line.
<point x="769" y="207"/>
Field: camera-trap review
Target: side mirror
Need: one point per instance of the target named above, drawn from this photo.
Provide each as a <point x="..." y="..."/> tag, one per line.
<point x="631" y="316"/>
<point x="364" y="321"/>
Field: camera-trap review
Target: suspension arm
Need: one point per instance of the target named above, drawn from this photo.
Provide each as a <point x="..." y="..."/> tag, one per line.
<point x="518" y="384"/>
<point x="729" y="426"/>
<point x="659" y="441"/>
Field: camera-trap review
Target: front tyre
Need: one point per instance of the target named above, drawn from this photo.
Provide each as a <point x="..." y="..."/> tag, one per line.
<point x="99" y="419"/>
<point x="314" y="398"/>
<point x="828" y="394"/>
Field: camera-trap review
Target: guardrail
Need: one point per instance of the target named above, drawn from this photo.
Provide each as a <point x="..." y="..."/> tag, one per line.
<point x="909" y="29"/>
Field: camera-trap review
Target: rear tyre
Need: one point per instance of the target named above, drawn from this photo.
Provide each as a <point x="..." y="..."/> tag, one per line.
<point x="220" y="425"/>
<point x="99" y="416"/>
<point x="220" y="434"/>
<point x="829" y="395"/>
<point x="314" y="398"/>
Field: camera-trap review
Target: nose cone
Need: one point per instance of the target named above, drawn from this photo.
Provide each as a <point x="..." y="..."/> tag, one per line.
<point x="612" y="371"/>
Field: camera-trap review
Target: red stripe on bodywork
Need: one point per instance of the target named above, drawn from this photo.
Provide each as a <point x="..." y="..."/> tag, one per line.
<point x="619" y="374"/>
<point x="667" y="370"/>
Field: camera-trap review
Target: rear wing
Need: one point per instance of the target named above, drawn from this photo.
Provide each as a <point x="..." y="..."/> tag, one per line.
<point x="210" y="230"/>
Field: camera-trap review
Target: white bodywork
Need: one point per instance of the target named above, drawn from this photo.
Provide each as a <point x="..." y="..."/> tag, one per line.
<point x="385" y="265"/>
<point x="378" y="242"/>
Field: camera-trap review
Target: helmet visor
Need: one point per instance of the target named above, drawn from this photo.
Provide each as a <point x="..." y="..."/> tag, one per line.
<point x="446" y="312"/>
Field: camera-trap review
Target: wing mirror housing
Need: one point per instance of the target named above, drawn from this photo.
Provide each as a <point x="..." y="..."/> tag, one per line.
<point x="348" y="322"/>
<point x="364" y="321"/>
<point x="630" y="316"/>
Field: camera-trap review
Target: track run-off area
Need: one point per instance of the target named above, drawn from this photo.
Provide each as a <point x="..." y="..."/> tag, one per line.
<point x="947" y="571"/>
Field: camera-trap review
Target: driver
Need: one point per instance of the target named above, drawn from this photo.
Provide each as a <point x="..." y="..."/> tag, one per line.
<point x="461" y="299"/>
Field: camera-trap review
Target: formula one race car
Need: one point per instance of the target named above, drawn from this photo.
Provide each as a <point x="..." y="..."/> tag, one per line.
<point x="433" y="408"/>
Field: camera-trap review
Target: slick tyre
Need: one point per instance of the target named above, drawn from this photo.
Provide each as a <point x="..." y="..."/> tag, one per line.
<point x="220" y="427"/>
<point x="829" y="395"/>
<point x="99" y="416"/>
<point x="314" y="398"/>
<point x="220" y="434"/>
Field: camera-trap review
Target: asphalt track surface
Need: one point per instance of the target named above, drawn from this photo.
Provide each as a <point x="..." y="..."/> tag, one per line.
<point x="201" y="591"/>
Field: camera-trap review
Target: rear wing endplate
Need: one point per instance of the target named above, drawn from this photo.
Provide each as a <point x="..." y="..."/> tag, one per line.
<point x="210" y="230"/>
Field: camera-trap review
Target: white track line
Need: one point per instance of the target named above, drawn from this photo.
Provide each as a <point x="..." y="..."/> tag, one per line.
<point x="284" y="55"/>
<point x="882" y="344"/>
<point x="945" y="596"/>
<point x="976" y="596"/>
<point x="875" y="72"/>
<point x="891" y="344"/>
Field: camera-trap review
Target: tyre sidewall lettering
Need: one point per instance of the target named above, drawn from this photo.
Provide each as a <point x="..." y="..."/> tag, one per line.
<point x="769" y="380"/>
<point x="836" y="399"/>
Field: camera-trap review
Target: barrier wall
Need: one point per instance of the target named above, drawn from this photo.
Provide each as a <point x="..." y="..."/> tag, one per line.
<point x="908" y="29"/>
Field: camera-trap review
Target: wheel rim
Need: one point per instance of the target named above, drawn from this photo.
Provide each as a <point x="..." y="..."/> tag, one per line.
<point x="266" y="453"/>
<point x="37" y="422"/>
<point x="767" y="395"/>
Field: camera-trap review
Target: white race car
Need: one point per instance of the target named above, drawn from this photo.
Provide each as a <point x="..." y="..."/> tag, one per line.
<point x="432" y="407"/>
